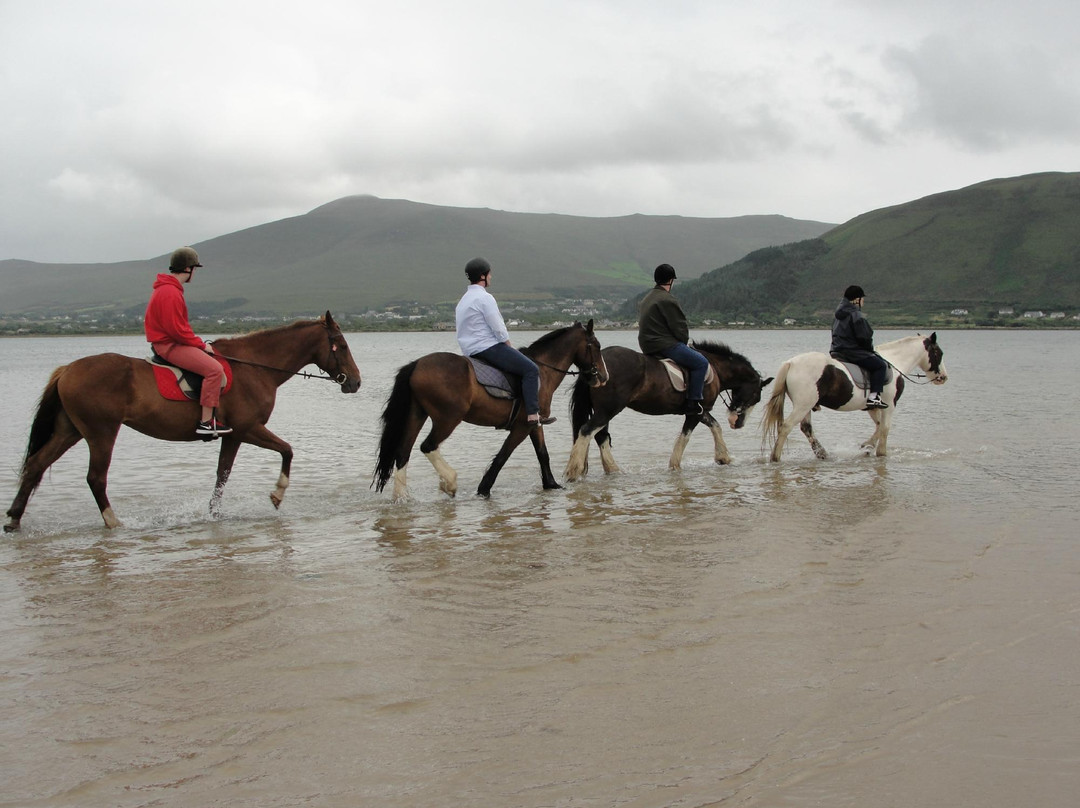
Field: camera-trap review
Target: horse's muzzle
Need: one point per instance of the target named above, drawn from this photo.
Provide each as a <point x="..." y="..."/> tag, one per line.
<point x="348" y="385"/>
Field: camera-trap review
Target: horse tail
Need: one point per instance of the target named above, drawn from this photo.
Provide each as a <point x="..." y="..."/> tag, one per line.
<point x="49" y="407"/>
<point x="774" y="409"/>
<point x="394" y="417"/>
<point x="581" y="408"/>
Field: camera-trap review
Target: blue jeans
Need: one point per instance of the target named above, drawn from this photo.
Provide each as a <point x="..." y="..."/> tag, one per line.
<point x="685" y="356"/>
<point x="511" y="360"/>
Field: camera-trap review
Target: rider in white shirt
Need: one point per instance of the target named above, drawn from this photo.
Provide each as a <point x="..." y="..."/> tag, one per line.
<point x="481" y="332"/>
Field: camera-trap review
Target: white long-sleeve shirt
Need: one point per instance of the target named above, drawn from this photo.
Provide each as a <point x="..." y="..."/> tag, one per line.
<point x="479" y="322"/>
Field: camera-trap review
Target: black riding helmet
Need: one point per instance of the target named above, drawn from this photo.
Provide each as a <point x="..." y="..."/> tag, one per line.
<point x="854" y="293"/>
<point x="664" y="273"/>
<point x="476" y="269"/>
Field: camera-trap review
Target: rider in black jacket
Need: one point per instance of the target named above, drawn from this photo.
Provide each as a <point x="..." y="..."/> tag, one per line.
<point x="853" y="341"/>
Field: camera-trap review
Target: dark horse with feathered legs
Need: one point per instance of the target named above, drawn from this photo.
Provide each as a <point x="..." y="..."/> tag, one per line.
<point x="643" y="384"/>
<point x="443" y="387"/>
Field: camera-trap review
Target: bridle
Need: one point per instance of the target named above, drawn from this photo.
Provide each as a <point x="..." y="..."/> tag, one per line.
<point x="592" y="373"/>
<point x="339" y="379"/>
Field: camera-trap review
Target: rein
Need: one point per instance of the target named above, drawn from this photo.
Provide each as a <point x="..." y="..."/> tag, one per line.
<point x="913" y="379"/>
<point x="339" y="379"/>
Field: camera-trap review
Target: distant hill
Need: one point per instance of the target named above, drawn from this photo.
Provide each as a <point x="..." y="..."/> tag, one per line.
<point x="991" y="246"/>
<point x="363" y="252"/>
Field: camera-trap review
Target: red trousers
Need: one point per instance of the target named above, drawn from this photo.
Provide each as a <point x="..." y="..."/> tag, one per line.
<point x="198" y="361"/>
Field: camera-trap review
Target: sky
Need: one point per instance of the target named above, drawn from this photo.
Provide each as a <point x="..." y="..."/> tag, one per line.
<point x="131" y="128"/>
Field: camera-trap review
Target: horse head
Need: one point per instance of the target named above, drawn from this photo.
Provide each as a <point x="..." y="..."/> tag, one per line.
<point x="735" y="374"/>
<point x="334" y="358"/>
<point x="589" y="358"/>
<point x="932" y="364"/>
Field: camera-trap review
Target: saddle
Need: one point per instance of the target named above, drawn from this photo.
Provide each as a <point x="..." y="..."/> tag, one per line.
<point x="177" y="384"/>
<point x="498" y="385"/>
<point x="860" y="377"/>
<point x="680" y="376"/>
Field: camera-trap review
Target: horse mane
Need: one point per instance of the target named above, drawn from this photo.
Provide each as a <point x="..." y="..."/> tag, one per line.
<point x="720" y="351"/>
<point x="548" y="338"/>
<point x="255" y="335"/>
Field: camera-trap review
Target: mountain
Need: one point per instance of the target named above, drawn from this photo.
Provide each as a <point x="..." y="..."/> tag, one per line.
<point x="988" y="247"/>
<point x="363" y="252"/>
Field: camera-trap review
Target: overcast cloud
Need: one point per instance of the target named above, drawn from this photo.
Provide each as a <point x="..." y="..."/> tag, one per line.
<point x="131" y="127"/>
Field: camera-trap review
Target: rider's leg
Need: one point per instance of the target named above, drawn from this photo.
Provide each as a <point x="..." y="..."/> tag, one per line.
<point x="198" y="361"/>
<point x="685" y="356"/>
<point x="511" y="360"/>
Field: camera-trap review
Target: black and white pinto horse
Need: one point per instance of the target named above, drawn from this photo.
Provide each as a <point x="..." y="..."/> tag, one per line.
<point x="816" y="380"/>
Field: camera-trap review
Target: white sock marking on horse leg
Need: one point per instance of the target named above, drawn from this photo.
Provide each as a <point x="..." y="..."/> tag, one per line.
<point x="677" y="451"/>
<point x="447" y="475"/>
<point x="720" y="450"/>
<point x="607" y="459"/>
<point x="401" y="492"/>
<point x="278" y="496"/>
<point x="579" y="455"/>
<point x="110" y="518"/>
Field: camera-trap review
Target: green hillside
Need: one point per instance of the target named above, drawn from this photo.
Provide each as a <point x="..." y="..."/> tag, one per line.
<point x="362" y="253"/>
<point x="1006" y="243"/>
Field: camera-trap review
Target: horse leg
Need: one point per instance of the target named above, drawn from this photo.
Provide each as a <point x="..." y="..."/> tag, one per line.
<point x="540" y="447"/>
<point x="880" y="439"/>
<point x="720" y="450"/>
<point x="230" y="445"/>
<point x="262" y="437"/>
<point x="675" y="461"/>
<point x="596" y="428"/>
<point x="440" y="431"/>
<point x="516" y="436"/>
<point x="607" y="459"/>
<point x="63" y="438"/>
<point x="97" y="476"/>
<point x="808" y="430"/>
<point x="784" y="430"/>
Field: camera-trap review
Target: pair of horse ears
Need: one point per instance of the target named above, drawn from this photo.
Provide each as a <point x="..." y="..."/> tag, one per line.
<point x="588" y="327"/>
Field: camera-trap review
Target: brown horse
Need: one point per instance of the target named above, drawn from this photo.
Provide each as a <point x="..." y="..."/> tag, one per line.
<point x="443" y="387"/>
<point x="641" y="383"/>
<point x="92" y="397"/>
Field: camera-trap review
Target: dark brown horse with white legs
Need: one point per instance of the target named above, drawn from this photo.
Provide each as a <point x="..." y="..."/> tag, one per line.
<point x="444" y="388"/>
<point x="643" y="384"/>
<point x="91" y="398"/>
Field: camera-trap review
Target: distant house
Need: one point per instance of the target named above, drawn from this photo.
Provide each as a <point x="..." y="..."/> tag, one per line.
<point x="1034" y="315"/>
<point x="788" y="321"/>
<point x="1057" y="315"/>
<point x="958" y="312"/>
<point x="1008" y="310"/>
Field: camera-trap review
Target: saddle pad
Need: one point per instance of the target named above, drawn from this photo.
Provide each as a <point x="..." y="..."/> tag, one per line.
<point x="679" y="376"/>
<point x="497" y="383"/>
<point x="861" y="377"/>
<point x="177" y="384"/>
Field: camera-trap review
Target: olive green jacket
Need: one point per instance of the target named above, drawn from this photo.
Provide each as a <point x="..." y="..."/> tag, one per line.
<point x="661" y="322"/>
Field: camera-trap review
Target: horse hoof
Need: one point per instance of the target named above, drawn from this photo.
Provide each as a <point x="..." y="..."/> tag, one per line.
<point x="274" y="498"/>
<point x="11" y="527"/>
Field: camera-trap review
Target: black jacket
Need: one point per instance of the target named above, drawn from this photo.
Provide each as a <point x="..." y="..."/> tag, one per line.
<point x="852" y="335"/>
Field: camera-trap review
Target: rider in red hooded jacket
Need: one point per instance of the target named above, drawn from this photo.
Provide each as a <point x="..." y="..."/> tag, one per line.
<point x="169" y="332"/>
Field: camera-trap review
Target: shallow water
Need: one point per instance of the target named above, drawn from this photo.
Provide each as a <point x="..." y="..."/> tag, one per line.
<point x="855" y="631"/>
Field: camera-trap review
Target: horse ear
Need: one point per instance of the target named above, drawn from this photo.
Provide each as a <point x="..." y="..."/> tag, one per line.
<point x="589" y="327"/>
<point x="933" y="338"/>
<point x="766" y="382"/>
<point x="329" y="318"/>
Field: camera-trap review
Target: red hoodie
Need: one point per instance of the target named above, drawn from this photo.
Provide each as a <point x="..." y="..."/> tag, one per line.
<point x="167" y="316"/>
